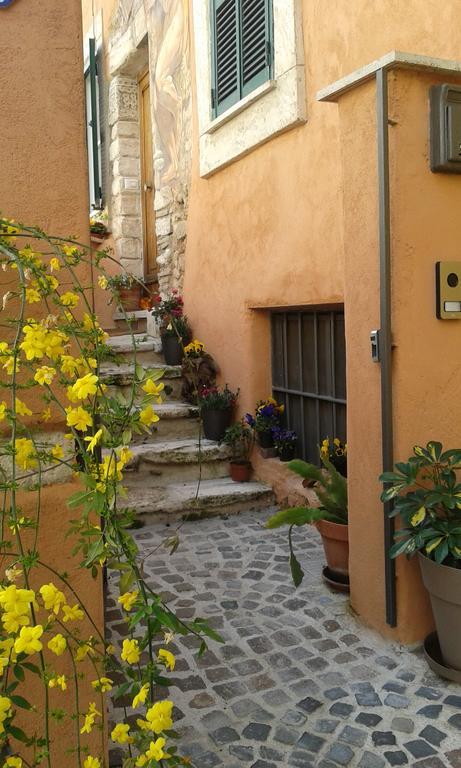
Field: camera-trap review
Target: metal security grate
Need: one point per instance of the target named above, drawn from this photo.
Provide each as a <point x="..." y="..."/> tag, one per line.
<point x="309" y="374"/>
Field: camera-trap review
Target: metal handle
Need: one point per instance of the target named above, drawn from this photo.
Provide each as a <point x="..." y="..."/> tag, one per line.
<point x="147" y="187"/>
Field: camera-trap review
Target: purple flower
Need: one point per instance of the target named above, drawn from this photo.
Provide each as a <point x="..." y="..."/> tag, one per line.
<point x="249" y="419"/>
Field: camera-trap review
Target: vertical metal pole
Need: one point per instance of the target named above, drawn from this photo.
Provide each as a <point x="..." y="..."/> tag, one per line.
<point x="385" y="331"/>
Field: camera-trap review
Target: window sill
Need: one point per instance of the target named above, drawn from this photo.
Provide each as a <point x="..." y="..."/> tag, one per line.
<point x="241" y="105"/>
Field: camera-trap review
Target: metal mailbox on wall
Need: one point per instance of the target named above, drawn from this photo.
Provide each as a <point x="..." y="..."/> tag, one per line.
<point x="445" y="128"/>
<point x="448" y="290"/>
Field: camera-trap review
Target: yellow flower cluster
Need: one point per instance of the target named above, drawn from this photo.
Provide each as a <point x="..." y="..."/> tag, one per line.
<point x="194" y="348"/>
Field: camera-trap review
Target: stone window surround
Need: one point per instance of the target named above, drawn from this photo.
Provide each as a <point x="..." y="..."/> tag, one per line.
<point x="272" y="108"/>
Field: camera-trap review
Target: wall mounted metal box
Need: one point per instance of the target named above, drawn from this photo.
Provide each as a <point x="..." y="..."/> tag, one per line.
<point x="448" y="290"/>
<point x="445" y="128"/>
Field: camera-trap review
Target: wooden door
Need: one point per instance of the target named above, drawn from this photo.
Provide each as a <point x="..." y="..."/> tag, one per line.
<point x="147" y="182"/>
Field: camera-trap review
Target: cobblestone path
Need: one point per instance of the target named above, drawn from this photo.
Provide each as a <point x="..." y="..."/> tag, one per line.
<point x="299" y="681"/>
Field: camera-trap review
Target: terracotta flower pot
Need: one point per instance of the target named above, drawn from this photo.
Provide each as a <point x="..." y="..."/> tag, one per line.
<point x="215" y="422"/>
<point x="335" y="539"/>
<point x="130" y="297"/>
<point x="444" y="586"/>
<point x="240" y="472"/>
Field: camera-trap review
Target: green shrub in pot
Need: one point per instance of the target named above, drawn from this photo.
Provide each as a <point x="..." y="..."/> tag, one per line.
<point x="426" y="495"/>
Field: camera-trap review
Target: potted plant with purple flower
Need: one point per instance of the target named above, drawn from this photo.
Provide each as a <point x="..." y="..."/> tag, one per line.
<point x="175" y="331"/>
<point x="216" y="407"/>
<point x="285" y="441"/>
<point x="267" y="416"/>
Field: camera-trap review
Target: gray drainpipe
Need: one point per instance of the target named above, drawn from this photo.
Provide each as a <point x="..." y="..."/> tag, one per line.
<point x="385" y="333"/>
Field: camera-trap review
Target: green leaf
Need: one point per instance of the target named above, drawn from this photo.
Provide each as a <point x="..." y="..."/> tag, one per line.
<point x="19" y="701"/>
<point x="297" y="573"/>
<point x="139" y="372"/>
<point x="19" y="672"/>
<point x="296" y="516"/>
<point x="31" y="667"/>
<point x="305" y="470"/>
<point x="18" y="734"/>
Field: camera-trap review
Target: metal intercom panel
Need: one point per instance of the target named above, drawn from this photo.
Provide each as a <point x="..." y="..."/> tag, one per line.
<point x="448" y="290"/>
<point x="445" y="128"/>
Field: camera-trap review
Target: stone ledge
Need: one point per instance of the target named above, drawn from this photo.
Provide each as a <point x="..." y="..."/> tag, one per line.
<point x="287" y="487"/>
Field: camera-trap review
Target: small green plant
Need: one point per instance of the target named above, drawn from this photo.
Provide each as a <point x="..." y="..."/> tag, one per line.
<point x="123" y="280"/>
<point x="331" y="491"/>
<point x="426" y="496"/>
<point x="241" y="440"/>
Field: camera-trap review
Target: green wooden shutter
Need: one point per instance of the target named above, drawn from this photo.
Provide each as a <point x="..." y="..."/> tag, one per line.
<point x="256" y="45"/>
<point x="93" y="126"/>
<point x="225" y="27"/>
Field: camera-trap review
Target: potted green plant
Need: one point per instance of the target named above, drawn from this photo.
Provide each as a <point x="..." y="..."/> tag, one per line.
<point x="98" y="226"/>
<point x="240" y="438"/>
<point x="267" y="416"/>
<point x="216" y="406"/>
<point x="335" y="450"/>
<point x="285" y="441"/>
<point x="198" y="369"/>
<point x="330" y="519"/>
<point x="174" y="327"/>
<point x="127" y="290"/>
<point x="426" y="496"/>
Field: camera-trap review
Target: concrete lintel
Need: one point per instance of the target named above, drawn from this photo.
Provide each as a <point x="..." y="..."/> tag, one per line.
<point x="391" y="60"/>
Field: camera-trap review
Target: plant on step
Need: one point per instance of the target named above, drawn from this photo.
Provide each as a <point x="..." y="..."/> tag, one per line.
<point x="267" y="416"/>
<point x="331" y="491"/>
<point x="426" y="495"/>
<point x="198" y="370"/>
<point x="216" y="399"/>
<point x="240" y="438"/>
<point x="285" y="441"/>
<point x="169" y="314"/>
<point x="98" y="223"/>
<point x="51" y="353"/>
<point x="335" y="450"/>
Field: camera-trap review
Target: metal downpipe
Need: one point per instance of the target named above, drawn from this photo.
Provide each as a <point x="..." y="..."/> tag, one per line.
<point x="385" y="334"/>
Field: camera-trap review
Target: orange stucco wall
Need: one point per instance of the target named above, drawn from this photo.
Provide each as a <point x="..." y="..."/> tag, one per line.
<point x="295" y="223"/>
<point x="44" y="182"/>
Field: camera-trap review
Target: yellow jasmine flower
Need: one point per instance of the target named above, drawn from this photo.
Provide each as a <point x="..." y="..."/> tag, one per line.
<point x="55" y="264"/>
<point x="57" y="452"/>
<point x="111" y="649"/>
<point x="82" y="652"/>
<point x="155" y="752"/>
<point x="14" y="573"/>
<point x="102" y="282"/>
<point x="52" y="283"/>
<point x="22" y="408"/>
<point x="125" y="455"/>
<point x="103" y="684"/>
<point x="69" y="299"/>
<point x="159" y="716"/>
<point x="90" y="717"/>
<point x="128" y="599"/>
<point x="44" y="375"/>
<point x="3" y="407"/>
<point x="32" y="296"/>
<point x="85" y="386"/>
<point x="28" y="641"/>
<point x="120" y="734"/>
<point x="46" y="414"/>
<point x="25" y="453"/>
<point x="168" y="658"/>
<point x="79" y="418"/>
<point x="57" y="644"/>
<point x="154" y="389"/>
<point x="69" y="365"/>
<point x="9" y="365"/>
<point x="141" y="696"/>
<point x="91" y="762"/>
<point x="13" y="762"/>
<point x="58" y="682"/>
<point x="13" y="620"/>
<point x="130" y="651"/>
<point x="148" y="416"/>
<point x="52" y="597"/>
<point x="73" y="613"/>
<point x="94" y="440"/>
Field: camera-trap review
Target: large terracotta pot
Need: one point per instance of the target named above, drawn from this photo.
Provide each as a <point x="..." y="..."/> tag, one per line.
<point x="130" y="297"/>
<point x="335" y="538"/>
<point x="444" y="586"/>
<point x="240" y="471"/>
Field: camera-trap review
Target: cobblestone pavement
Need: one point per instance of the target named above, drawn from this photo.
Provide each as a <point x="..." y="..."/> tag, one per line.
<point x="299" y="682"/>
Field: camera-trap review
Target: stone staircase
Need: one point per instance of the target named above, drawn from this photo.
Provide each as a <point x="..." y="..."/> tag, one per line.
<point x="166" y="480"/>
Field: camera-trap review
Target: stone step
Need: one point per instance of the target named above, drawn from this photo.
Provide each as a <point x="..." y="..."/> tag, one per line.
<point x="121" y="375"/>
<point x="168" y="461"/>
<point x="177" y="420"/>
<point x="136" y="321"/>
<point x="177" y="501"/>
<point x="148" y="348"/>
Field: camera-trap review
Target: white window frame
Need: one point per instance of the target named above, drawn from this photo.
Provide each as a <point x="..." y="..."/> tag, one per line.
<point x="274" y="107"/>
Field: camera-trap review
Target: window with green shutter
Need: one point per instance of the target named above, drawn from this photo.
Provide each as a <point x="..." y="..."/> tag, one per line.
<point x="242" y="50"/>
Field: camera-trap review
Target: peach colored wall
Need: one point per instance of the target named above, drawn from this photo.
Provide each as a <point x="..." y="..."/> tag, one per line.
<point x="44" y="182"/>
<point x="295" y="222"/>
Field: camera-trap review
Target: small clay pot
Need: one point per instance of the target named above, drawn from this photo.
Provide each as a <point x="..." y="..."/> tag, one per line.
<point x="335" y="539"/>
<point x="240" y="472"/>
